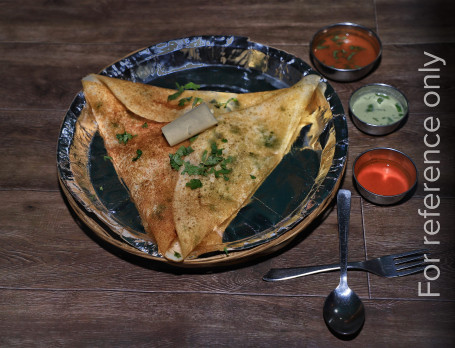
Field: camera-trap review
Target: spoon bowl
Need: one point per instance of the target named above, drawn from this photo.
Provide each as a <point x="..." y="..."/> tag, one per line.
<point x="343" y="310"/>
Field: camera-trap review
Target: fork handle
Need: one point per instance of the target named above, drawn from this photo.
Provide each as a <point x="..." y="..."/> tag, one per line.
<point x="276" y="274"/>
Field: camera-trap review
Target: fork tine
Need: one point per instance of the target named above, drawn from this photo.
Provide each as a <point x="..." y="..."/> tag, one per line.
<point x="410" y="271"/>
<point x="409" y="253"/>
<point x="407" y="259"/>
<point x="409" y="265"/>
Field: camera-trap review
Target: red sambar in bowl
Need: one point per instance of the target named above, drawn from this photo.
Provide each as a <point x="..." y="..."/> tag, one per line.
<point x="384" y="175"/>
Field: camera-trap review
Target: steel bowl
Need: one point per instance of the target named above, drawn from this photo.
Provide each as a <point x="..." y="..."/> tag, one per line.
<point x="381" y="88"/>
<point x="384" y="176"/>
<point x="346" y="75"/>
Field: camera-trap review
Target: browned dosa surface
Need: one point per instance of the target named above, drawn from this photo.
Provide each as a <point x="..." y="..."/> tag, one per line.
<point x="149" y="179"/>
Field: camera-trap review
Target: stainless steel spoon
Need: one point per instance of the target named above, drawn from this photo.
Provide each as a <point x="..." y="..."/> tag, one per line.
<point x="343" y="310"/>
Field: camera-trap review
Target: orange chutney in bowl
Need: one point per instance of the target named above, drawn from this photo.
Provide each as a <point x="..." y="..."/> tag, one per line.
<point x="345" y="48"/>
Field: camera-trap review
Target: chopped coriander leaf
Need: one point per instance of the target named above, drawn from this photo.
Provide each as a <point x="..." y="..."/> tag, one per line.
<point x="176" y="158"/>
<point x="175" y="161"/>
<point x="177" y="94"/>
<point x="177" y="255"/>
<point x="197" y="101"/>
<point x="181" y="89"/>
<point x="138" y="155"/>
<point x="224" y="171"/>
<point x="192" y="85"/>
<point x="183" y="101"/>
<point x="123" y="138"/>
<point x="252" y="177"/>
<point x="193" y="138"/>
<point x="215" y="103"/>
<point x="219" y="105"/>
<point x="145" y="125"/>
<point x="337" y="38"/>
<point x="194" y="184"/>
<point x="226" y="251"/>
<point x="184" y="151"/>
<point x="215" y="149"/>
<point x="191" y="169"/>
<point x="370" y="108"/>
<point x="224" y="140"/>
<point x="398" y="107"/>
<point x="211" y="163"/>
<point x="380" y="100"/>
<point x="107" y="157"/>
<point x="212" y="160"/>
<point x="228" y="160"/>
<point x="351" y="55"/>
<point x="357" y="48"/>
<point x="234" y="100"/>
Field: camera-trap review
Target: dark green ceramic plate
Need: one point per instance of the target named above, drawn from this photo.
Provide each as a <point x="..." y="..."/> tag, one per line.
<point x="224" y="63"/>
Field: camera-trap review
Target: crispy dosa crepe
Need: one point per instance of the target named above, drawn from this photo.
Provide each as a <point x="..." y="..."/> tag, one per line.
<point x="149" y="178"/>
<point x="255" y="139"/>
<point x="131" y="111"/>
<point x="317" y="114"/>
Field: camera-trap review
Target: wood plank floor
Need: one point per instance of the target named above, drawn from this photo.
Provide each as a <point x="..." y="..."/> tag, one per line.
<point x="60" y="285"/>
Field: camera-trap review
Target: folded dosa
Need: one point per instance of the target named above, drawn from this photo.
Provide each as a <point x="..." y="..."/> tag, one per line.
<point x="150" y="179"/>
<point x="317" y="114"/>
<point x="256" y="139"/>
<point x="136" y="112"/>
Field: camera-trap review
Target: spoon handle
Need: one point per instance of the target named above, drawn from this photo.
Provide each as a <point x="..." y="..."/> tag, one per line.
<point x="344" y="210"/>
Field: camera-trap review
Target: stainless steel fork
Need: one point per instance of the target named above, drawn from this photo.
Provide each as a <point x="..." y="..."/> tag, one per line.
<point x="389" y="266"/>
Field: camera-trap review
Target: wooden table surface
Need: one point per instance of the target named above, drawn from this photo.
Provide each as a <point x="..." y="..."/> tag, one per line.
<point x="60" y="285"/>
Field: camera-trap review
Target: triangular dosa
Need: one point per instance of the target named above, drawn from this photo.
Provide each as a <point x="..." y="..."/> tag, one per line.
<point x="255" y="139"/>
